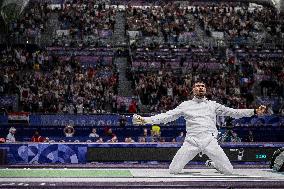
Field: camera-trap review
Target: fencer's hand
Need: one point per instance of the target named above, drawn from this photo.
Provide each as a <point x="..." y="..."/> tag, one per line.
<point x="261" y="110"/>
<point x="138" y="120"/>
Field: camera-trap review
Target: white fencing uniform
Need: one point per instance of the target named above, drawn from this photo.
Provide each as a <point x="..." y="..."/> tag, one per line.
<point x="201" y="131"/>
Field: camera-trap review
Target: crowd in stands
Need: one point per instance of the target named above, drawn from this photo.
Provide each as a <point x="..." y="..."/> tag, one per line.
<point x="165" y="23"/>
<point x="237" y="21"/>
<point x="171" y="56"/>
<point x="33" y="22"/>
<point x="162" y="75"/>
<point x="46" y="84"/>
<point x="84" y="22"/>
<point x="164" y="91"/>
<point x="162" y="88"/>
<point x="142" y="20"/>
<point x="79" y="23"/>
<point x="89" y="21"/>
<point x="264" y="66"/>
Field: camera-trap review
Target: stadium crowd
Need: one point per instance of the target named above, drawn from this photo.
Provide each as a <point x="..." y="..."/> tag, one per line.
<point x="238" y="20"/>
<point x="33" y="23"/>
<point x="170" y="20"/>
<point x="83" y="22"/>
<point x="46" y="84"/>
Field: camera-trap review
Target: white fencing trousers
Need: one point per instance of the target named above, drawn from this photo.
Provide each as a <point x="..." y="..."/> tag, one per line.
<point x="209" y="146"/>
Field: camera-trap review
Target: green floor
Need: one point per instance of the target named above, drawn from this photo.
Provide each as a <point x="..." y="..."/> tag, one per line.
<point x="61" y="173"/>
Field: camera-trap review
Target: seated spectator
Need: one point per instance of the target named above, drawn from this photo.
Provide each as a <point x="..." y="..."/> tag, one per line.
<point x="100" y="140"/>
<point x="47" y="140"/>
<point x="129" y="140"/>
<point x="142" y="139"/>
<point x="69" y="131"/>
<point x="108" y="133"/>
<point x="146" y="136"/>
<point x="227" y="136"/>
<point x="235" y="137"/>
<point x="94" y="133"/>
<point x="180" y="138"/>
<point x="113" y="139"/>
<point x="37" y="138"/>
<point x="249" y="137"/>
<point x="162" y="140"/>
<point x="11" y="135"/>
<point x="145" y="132"/>
<point x="155" y="136"/>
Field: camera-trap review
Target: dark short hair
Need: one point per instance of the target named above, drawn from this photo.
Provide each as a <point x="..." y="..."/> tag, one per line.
<point x="199" y="81"/>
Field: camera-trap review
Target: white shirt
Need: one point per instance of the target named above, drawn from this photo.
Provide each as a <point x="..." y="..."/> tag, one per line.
<point x="95" y="135"/>
<point x="200" y="115"/>
<point x="10" y="138"/>
<point x="69" y="134"/>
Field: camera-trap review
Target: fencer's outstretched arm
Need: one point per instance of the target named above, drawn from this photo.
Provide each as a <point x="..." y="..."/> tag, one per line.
<point x="238" y="113"/>
<point x="166" y="117"/>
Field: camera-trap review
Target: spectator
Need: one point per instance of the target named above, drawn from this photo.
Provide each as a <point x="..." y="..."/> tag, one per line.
<point x="11" y="135"/>
<point x="155" y="136"/>
<point x="249" y="137"/>
<point x="132" y="107"/>
<point x="113" y="139"/>
<point x="94" y="133"/>
<point x="180" y="138"/>
<point x="235" y="137"/>
<point x="142" y="140"/>
<point x="129" y="140"/>
<point x="37" y="138"/>
<point x="46" y="139"/>
<point x="100" y="140"/>
<point x="226" y="136"/>
<point x="162" y="140"/>
<point x="69" y="131"/>
<point x="108" y="133"/>
<point x="145" y="132"/>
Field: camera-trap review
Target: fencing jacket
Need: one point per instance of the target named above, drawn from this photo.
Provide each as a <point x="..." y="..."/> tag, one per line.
<point x="200" y="115"/>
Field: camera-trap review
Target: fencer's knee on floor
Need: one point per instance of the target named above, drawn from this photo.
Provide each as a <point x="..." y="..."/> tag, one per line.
<point x="174" y="170"/>
<point x="228" y="170"/>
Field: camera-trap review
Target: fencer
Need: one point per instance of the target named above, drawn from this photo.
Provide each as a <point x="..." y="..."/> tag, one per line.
<point x="201" y="131"/>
